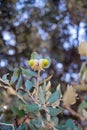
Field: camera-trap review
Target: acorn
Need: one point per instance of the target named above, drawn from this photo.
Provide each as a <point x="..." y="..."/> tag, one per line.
<point x="34" y="64"/>
<point x="38" y="64"/>
<point x="45" y="62"/>
<point x="31" y="62"/>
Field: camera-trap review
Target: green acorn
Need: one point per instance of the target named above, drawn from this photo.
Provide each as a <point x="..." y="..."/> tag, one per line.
<point x="31" y="62"/>
<point x="45" y="62"/>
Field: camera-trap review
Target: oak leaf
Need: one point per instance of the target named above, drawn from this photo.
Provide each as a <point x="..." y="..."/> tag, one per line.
<point x="69" y="97"/>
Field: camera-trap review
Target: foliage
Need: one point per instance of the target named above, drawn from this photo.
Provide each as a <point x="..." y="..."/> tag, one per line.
<point x="35" y="107"/>
<point x="46" y="27"/>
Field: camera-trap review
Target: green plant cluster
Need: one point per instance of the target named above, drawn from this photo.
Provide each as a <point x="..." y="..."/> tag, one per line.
<point x="35" y="107"/>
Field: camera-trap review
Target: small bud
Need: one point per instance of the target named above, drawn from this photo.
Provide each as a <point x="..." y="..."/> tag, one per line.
<point x="35" y="65"/>
<point x="41" y="65"/>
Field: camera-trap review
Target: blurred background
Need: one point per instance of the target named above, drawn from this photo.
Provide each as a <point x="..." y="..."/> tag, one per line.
<point x="53" y="28"/>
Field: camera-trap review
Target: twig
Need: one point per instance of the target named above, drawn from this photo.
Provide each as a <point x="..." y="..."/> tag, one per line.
<point x="76" y="114"/>
<point x="21" y="98"/>
<point x="45" y="80"/>
<point x="37" y="86"/>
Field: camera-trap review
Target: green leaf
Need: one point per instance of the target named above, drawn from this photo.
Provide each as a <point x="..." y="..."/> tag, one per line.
<point x="37" y="123"/>
<point x="19" y="82"/>
<point x="31" y="126"/>
<point x="4" y="126"/>
<point x="54" y="111"/>
<point x="31" y="108"/>
<point x="83" y="105"/>
<point x="22" y="127"/>
<point x="15" y="75"/>
<point x="28" y="85"/>
<point x="61" y="127"/>
<point x="28" y="72"/>
<point x="21" y="93"/>
<point x="70" y="124"/>
<point x="17" y="112"/>
<point x="34" y="82"/>
<point x="55" y="120"/>
<point x="79" y="128"/>
<point x="4" y="77"/>
<point x="54" y="97"/>
<point x="41" y="95"/>
<point x="35" y="55"/>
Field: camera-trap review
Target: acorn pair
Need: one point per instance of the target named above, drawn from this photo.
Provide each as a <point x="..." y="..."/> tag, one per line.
<point x="38" y="64"/>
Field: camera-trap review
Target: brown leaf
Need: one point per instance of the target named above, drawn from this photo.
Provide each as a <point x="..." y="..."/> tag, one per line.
<point x="69" y="97"/>
<point x="82" y="49"/>
<point x="48" y="86"/>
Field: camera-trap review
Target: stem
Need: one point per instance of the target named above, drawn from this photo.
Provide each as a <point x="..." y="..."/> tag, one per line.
<point x="45" y="80"/>
<point x="21" y="98"/>
<point x="37" y="86"/>
<point x="76" y="114"/>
